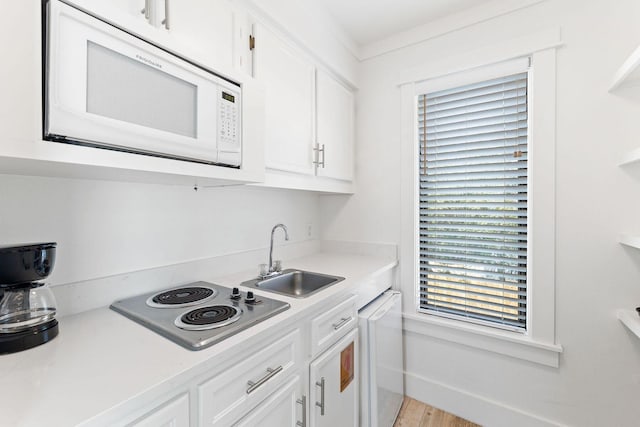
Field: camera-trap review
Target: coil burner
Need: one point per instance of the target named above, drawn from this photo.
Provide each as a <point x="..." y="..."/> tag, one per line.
<point x="182" y="297"/>
<point x="210" y="317"/>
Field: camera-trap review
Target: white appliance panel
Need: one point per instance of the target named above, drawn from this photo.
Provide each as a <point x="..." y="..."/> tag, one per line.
<point x="382" y="386"/>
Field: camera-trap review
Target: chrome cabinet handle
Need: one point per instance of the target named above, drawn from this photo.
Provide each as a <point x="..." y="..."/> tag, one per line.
<point x="146" y="10"/>
<point x="317" y="162"/>
<point x="303" y="402"/>
<point x="324" y="155"/>
<point x="341" y="323"/>
<point x="165" y="21"/>
<point x="321" y="403"/>
<point x="270" y="373"/>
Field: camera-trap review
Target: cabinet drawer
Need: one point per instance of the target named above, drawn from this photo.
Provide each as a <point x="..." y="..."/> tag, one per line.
<point x="228" y="395"/>
<point x="280" y="409"/>
<point x="328" y="327"/>
<point x="174" y="414"/>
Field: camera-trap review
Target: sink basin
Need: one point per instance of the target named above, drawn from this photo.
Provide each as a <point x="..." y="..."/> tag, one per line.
<point x="295" y="283"/>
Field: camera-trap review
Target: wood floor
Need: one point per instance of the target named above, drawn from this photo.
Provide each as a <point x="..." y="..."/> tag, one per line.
<point x="417" y="414"/>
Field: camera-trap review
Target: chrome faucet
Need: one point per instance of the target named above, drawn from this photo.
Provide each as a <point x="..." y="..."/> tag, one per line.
<point x="286" y="237"/>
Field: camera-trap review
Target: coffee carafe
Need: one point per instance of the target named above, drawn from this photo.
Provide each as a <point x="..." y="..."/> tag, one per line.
<point x="27" y="305"/>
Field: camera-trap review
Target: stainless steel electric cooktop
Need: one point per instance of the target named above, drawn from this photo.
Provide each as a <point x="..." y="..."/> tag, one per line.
<point x="199" y="314"/>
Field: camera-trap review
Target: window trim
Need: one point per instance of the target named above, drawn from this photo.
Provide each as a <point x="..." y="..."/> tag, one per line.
<point x="538" y="344"/>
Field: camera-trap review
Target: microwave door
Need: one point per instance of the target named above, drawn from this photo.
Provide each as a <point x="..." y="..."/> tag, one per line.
<point x="110" y="89"/>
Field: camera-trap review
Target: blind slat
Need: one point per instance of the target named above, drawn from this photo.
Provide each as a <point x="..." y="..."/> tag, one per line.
<point x="470" y="280"/>
<point x="473" y="201"/>
<point x="520" y="141"/>
<point x="476" y="115"/>
<point x="470" y="271"/>
<point x="503" y="251"/>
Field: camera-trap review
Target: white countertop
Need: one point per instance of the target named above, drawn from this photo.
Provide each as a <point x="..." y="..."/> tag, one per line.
<point x="102" y="360"/>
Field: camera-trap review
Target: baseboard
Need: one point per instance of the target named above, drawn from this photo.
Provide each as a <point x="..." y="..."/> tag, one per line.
<point x="478" y="409"/>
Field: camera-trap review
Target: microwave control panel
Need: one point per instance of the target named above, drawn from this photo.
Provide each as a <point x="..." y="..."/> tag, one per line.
<point x="229" y="119"/>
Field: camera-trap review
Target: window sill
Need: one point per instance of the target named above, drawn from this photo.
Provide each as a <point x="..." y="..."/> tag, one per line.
<point x="485" y="338"/>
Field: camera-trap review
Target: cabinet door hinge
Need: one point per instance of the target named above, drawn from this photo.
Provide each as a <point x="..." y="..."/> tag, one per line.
<point x="252" y="42"/>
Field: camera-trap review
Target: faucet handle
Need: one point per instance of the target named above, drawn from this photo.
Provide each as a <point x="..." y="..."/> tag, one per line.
<point x="277" y="265"/>
<point x="263" y="270"/>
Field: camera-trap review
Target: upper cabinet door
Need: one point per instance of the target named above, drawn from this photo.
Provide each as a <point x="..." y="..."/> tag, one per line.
<point x="289" y="81"/>
<point x="201" y="30"/>
<point x="206" y="24"/>
<point x="335" y="116"/>
<point x="132" y="15"/>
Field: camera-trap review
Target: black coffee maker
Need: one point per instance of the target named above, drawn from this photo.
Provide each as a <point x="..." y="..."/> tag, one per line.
<point x="27" y="305"/>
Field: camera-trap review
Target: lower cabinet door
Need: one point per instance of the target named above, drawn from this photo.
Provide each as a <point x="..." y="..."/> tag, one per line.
<point x="334" y="383"/>
<point x="171" y="414"/>
<point x="278" y="410"/>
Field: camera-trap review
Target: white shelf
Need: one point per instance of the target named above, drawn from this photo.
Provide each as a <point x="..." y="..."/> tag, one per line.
<point x="629" y="240"/>
<point x="631" y="320"/>
<point x="631" y="157"/>
<point x="628" y="73"/>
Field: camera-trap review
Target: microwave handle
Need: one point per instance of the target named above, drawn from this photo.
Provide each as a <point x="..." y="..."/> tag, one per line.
<point x="166" y="21"/>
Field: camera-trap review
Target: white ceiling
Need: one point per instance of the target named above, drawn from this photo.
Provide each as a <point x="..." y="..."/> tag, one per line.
<point x="366" y="21"/>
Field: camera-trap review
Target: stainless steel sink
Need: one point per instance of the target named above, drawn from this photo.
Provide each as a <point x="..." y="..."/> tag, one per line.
<point x="295" y="283"/>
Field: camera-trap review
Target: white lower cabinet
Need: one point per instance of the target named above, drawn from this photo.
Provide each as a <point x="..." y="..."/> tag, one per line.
<point x="332" y="324"/>
<point x="228" y="396"/>
<point x="306" y="377"/>
<point x="172" y="414"/>
<point x="282" y="409"/>
<point x="334" y="384"/>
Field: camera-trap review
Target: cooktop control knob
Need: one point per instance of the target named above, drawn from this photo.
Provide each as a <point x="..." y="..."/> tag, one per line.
<point x="235" y="293"/>
<point x="250" y="299"/>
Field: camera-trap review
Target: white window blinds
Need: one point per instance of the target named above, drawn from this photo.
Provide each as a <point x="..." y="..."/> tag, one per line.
<point x="473" y="202"/>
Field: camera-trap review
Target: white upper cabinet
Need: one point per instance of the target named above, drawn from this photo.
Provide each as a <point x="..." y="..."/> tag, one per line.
<point x="136" y="16"/>
<point x="201" y="30"/>
<point x="335" y="116"/>
<point x="205" y="23"/>
<point x="289" y="80"/>
<point x="309" y="117"/>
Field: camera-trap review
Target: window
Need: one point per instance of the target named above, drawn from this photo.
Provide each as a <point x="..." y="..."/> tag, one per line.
<point x="461" y="293"/>
<point x="473" y="201"/>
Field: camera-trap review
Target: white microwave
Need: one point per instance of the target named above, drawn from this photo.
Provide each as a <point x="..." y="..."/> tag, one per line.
<point x="106" y="88"/>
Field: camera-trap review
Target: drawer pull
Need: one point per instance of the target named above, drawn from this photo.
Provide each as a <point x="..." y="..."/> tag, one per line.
<point x="270" y="373"/>
<point x="341" y="323"/>
<point x="321" y="403"/>
<point x="303" y="402"/>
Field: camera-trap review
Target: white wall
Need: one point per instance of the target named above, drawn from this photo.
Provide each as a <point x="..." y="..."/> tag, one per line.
<point x="598" y="381"/>
<point x="107" y="228"/>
